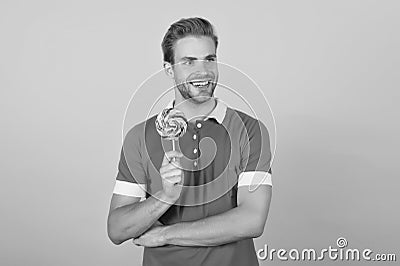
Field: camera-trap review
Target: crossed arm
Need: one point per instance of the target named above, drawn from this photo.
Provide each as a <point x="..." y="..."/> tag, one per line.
<point x="247" y="220"/>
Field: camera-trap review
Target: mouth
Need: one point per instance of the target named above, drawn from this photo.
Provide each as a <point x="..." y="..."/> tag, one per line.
<point x="200" y="83"/>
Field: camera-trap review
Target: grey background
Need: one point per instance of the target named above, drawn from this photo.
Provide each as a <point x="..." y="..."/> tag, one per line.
<point x="67" y="70"/>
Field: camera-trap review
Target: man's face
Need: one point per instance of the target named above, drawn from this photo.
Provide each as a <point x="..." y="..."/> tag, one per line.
<point x="195" y="70"/>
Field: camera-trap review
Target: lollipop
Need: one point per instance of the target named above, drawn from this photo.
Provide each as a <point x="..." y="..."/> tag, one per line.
<point x="171" y="124"/>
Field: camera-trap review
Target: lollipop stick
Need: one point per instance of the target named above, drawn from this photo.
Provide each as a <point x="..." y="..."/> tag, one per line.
<point x="173" y="148"/>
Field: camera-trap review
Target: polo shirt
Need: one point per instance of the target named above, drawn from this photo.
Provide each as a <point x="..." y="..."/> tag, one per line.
<point x="226" y="150"/>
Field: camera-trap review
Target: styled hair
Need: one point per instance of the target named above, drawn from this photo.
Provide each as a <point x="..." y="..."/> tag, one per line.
<point x="186" y="27"/>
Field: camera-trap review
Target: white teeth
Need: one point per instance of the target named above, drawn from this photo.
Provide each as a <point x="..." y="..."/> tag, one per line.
<point x="200" y="84"/>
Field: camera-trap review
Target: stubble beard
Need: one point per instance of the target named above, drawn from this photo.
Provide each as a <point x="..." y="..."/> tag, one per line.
<point x="184" y="90"/>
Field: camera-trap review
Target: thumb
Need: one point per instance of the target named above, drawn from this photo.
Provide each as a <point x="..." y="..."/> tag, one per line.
<point x="137" y="241"/>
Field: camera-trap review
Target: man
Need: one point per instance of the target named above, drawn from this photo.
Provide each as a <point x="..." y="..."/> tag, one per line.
<point x="194" y="206"/>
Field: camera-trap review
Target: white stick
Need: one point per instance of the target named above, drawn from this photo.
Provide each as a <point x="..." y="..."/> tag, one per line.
<point x="173" y="148"/>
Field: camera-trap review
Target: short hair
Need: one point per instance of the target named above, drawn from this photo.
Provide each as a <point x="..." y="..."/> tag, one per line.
<point x="186" y="27"/>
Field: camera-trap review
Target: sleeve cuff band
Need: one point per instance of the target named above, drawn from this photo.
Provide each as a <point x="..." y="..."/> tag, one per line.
<point x="255" y="178"/>
<point x="130" y="189"/>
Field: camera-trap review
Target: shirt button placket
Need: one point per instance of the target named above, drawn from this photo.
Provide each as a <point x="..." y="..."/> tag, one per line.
<point x="196" y="149"/>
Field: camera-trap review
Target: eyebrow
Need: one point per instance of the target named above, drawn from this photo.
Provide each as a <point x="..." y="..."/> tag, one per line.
<point x="210" y="56"/>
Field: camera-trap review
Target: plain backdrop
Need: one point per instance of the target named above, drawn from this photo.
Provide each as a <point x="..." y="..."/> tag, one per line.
<point x="330" y="70"/>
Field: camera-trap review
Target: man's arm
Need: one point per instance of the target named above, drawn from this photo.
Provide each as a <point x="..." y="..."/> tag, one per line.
<point x="247" y="220"/>
<point x="129" y="217"/>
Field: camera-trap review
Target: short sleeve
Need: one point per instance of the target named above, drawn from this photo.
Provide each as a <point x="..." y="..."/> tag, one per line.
<point x="256" y="155"/>
<point x="131" y="177"/>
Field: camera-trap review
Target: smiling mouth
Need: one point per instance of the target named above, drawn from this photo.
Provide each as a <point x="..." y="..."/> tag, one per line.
<point x="200" y="84"/>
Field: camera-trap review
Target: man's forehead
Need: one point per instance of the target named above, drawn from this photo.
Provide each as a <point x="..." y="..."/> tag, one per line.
<point x="194" y="46"/>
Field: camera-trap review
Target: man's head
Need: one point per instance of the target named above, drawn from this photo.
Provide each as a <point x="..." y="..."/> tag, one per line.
<point x="189" y="48"/>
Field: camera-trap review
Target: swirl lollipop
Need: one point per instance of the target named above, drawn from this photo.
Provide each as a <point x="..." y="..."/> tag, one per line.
<point x="171" y="124"/>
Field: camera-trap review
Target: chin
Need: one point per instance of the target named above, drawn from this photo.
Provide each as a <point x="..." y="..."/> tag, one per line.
<point x="201" y="98"/>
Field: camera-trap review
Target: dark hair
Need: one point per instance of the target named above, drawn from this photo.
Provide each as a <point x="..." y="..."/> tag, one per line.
<point x="186" y="27"/>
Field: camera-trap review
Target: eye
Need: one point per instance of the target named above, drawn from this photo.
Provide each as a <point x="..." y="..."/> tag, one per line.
<point x="211" y="59"/>
<point x="188" y="62"/>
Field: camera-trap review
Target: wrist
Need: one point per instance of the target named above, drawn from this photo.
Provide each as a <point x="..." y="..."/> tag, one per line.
<point x="166" y="234"/>
<point x="162" y="196"/>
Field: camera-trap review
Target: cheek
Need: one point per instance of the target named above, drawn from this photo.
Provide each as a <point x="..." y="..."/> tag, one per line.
<point x="215" y="71"/>
<point x="180" y="75"/>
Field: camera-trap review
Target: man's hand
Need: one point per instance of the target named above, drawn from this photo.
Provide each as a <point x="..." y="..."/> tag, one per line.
<point x="172" y="175"/>
<point x="154" y="237"/>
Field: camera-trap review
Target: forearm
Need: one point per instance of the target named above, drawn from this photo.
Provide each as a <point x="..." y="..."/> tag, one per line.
<point x="130" y="221"/>
<point x="234" y="225"/>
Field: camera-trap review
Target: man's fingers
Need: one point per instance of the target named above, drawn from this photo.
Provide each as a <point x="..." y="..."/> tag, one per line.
<point x="176" y="172"/>
<point x="137" y="242"/>
<point x="169" y="155"/>
<point x="171" y="173"/>
<point x="169" y="167"/>
<point x="170" y="170"/>
<point x="176" y="179"/>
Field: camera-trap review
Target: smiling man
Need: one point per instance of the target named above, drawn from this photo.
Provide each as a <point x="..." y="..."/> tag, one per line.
<point x="194" y="206"/>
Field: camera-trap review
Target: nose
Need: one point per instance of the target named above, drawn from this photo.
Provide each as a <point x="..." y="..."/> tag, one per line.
<point x="204" y="66"/>
<point x="201" y="67"/>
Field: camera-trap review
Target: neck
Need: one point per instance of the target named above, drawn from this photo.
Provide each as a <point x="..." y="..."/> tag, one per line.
<point x="195" y="111"/>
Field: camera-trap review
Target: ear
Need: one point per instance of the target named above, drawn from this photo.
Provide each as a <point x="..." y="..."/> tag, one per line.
<point x="168" y="69"/>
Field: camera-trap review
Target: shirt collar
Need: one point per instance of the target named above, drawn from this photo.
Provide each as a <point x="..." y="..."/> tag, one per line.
<point x="218" y="113"/>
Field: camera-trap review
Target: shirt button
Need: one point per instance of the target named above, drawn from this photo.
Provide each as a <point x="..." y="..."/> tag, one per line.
<point x="195" y="150"/>
<point x="195" y="163"/>
<point x="194" y="137"/>
<point x="198" y="125"/>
